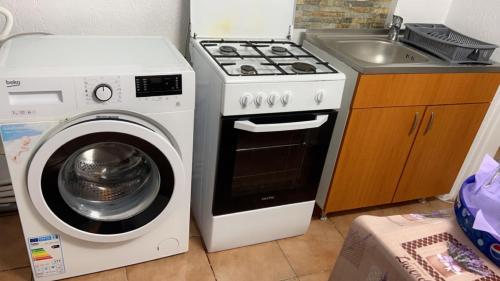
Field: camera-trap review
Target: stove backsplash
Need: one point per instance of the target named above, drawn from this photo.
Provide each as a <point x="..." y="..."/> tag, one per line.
<point x="321" y="14"/>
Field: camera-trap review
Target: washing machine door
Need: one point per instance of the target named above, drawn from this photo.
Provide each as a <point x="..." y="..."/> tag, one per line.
<point x="105" y="180"/>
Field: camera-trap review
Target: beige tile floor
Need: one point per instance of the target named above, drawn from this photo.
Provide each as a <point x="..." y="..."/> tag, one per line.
<point x="305" y="258"/>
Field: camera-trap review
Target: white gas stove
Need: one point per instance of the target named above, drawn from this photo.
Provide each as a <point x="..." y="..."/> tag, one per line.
<point x="265" y="112"/>
<point x="252" y="69"/>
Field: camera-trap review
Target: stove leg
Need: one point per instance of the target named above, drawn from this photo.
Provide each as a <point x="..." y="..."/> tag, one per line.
<point x="323" y="216"/>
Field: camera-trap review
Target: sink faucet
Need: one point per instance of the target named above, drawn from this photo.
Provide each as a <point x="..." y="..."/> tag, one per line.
<point x="394" y="28"/>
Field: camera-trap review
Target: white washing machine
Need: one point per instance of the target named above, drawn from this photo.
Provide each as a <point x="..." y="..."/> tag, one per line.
<point x="98" y="135"/>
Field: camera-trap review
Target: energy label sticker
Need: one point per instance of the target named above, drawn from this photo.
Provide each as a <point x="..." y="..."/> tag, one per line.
<point x="46" y="255"/>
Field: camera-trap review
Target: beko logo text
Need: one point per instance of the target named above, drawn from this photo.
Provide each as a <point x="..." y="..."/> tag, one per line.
<point x="267" y="198"/>
<point x="12" y="83"/>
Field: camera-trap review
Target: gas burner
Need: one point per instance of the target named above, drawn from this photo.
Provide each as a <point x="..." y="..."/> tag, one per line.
<point x="227" y="50"/>
<point x="302" y="67"/>
<point x="248" y="70"/>
<point x="278" y="50"/>
<point x="260" y="58"/>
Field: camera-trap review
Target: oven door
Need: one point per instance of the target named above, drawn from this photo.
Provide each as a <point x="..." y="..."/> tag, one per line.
<point x="270" y="160"/>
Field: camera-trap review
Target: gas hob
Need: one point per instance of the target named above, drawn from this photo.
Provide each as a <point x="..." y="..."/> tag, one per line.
<point x="266" y="76"/>
<point x="258" y="58"/>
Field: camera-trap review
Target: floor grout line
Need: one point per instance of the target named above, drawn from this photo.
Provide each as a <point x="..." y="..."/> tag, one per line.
<point x="287" y="260"/>
<point x="126" y="272"/>
<point x="208" y="258"/>
<point x="338" y="230"/>
<point x="15" y="268"/>
<point x="211" y="267"/>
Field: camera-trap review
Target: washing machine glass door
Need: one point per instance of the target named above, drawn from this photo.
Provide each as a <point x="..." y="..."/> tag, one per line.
<point x="108" y="180"/>
<point x="104" y="178"/>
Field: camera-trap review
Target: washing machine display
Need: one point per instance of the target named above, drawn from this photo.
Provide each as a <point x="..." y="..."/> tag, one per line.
<point x="154" y="86"/>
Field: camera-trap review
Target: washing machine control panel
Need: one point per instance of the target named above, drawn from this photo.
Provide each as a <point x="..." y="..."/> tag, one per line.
<point x="68" y="95"/>
<point x="102" y="90"/>
<point x="157" y="86"/>
<point x="155" y="92"/>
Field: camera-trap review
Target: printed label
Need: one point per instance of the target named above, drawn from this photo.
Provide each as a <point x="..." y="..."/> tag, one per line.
<point x="18" y="131"/>
<point x="46" y="255"/>
<point x="19" y="139"/>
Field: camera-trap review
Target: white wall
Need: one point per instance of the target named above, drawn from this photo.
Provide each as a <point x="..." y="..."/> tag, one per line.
<point x="419" y="11"/>
<point x="479" y="19"/>
<point x="102" y="17"/>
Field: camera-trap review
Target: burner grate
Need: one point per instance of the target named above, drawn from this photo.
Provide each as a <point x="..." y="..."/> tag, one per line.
<point x="276" y="54"/>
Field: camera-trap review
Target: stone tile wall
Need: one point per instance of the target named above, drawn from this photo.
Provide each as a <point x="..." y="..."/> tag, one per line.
<point x="319" y="14"/>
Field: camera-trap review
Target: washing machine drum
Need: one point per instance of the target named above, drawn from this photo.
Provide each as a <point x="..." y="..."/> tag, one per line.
<point x="109" y="181"/>
<point x="97" y="181"/>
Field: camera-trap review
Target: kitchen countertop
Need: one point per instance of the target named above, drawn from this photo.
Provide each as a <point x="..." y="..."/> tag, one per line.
<point x="434" y="64"/>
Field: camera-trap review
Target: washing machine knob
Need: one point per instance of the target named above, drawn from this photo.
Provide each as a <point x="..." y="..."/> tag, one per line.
<point x="103" y="92"/>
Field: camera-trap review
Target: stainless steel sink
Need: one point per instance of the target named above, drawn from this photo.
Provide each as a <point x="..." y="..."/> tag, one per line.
<point x="378" y="51"/>
<point x="369" y="51"/>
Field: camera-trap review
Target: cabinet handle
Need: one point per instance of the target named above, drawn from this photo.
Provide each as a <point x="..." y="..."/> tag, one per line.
<point x="415" y="123"/>
<point x="429" y="125"/>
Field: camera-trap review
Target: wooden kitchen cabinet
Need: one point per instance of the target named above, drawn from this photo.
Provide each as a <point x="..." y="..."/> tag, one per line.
<point x="376" y="145"/>
<point x="380" y="161"/>
<point x="439" y="150"/>
<point x="425" y="89"/>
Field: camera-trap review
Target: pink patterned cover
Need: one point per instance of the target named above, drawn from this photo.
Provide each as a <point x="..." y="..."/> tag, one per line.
<point x="405" y="247"/>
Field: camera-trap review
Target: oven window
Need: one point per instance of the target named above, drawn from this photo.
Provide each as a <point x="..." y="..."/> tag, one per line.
<point x="264" y="169"/>
<point x="272" y="161"/>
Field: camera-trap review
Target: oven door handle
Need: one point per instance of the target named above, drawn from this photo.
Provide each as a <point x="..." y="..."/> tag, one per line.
<point x="249" y="126"/>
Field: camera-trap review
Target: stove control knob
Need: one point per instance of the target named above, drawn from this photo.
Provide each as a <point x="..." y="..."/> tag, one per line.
<point x="103" y="92"/>
<point x="271" y="99"/>
<point x="258" y="99"/>
<point x="319" y="97"/>
<point x="245" y="100"/>
<point x="285" y="98"/>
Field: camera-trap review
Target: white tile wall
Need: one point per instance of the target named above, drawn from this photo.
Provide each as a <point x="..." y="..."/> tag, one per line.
<point x="418" y="11"/>
<point x="102" y="17"/>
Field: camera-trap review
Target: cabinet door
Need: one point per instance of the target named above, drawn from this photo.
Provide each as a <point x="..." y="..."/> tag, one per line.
<point x="440" y="148"/>
<point x="376" y="145"/>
